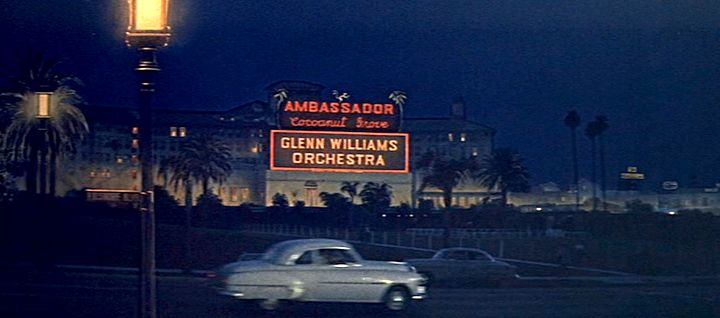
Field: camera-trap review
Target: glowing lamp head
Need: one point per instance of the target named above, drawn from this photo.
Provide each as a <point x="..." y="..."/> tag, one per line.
<point x="148" y="23"/>
<point x="44" y="102"/>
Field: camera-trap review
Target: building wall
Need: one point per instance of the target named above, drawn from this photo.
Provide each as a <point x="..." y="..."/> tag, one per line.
<point x="108" y="157"/>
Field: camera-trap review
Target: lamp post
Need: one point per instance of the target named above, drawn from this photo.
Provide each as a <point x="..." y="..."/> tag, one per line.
<point x="43" y="101"/>
<point x="148" y="30"/>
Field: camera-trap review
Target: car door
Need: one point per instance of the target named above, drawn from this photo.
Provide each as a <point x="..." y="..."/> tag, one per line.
<point x="305" y="273"/>
<point x="453" y="267"/>
<point x="342" y="276"/>
<point x="480" y="265"/>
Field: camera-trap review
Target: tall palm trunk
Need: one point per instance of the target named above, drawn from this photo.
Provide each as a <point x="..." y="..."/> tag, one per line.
<point x="206" y="185"/>
<point x="594" y="173"/>
<point x="602" y="173"/>
<point x="447" y="200"/>
<point x="53" y="173"/>
<point x="575" y="170"/>
<point x="187" y="225"/>
<point x="43" y="167"/>
<point x="31" y="174"/>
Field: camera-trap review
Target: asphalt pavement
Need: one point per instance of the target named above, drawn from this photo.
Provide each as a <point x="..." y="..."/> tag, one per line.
<point x="103" y="294"/>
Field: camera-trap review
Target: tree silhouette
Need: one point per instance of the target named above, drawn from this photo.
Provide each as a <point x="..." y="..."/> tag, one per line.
<point x="505" y="171"/>
<point x="572" y="121"/>
<point x="602" y="126"/>
<point x="592" y="130"/>
<point x="204" y="158"/>
<point x="201" y="159"/>
<point x="376" y="196"/>
<point x="23" y="141"/>
<point x="351" y="188"/>
<point x="445" y="175"/>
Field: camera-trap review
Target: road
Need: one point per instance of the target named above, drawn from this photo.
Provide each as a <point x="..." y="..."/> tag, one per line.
<point x="102" y="295"/>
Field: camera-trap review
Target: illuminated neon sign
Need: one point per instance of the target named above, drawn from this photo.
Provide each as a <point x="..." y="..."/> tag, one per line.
<point x="339" y="151"/>
<point x="340" y="115"/>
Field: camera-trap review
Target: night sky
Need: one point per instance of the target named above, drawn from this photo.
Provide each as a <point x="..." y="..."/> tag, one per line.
<point x="650" y="66"/>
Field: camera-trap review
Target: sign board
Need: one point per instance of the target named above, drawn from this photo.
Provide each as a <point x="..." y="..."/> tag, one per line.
<point x="632" y="173"/>
<point x="338" y="115"/>
<point x="115" y="197"/>
<point x="339" y="151"/>
<point x="632" y="176"/>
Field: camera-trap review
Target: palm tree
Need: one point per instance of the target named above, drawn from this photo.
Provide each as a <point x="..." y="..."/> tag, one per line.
<point x="64" y="129"/>
<point x="351" y="189"/>
<point x="592" y="130"/>
<point x="201" y="159"/>
<point x="505" y="171"/>
<point x="163" y="172"/>
<point x="208" y="159"/>
<point x="67" y="126"/>
<point x="572" y="120"/>
<point x="376" y="196"/>
<point x="280" y="95"/>
<point x="445" y="175"/>
<point x="602" y="126"/>
<point x="399" y="98"/>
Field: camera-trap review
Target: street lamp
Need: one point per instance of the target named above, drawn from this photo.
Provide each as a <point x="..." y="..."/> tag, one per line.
<point x="43" y="102"/>
<point x="148" y="30"/>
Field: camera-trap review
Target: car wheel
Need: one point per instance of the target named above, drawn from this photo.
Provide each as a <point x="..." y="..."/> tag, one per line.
<point x="397" y="298"/>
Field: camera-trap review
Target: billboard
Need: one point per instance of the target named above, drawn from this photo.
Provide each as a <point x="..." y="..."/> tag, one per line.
<point x="338" y="115"/>
<point x="339" y="151"/>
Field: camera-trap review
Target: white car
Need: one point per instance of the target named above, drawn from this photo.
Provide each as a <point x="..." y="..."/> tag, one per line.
<point x="464" y="265"/>
<point x="320" y="270"/>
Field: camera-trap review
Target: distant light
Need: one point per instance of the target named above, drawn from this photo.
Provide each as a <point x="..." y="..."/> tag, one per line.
<point x="672" y="213"/>
<point x="538" y="209"/>
<point x="384" y="215"/>
<point x="412" y="215"/>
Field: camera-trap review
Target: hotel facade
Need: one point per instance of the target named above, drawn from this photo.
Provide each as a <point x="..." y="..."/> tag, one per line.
<point x="108" y="157"/>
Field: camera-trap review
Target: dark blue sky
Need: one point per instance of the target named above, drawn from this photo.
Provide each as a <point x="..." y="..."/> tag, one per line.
<point x="650" y="66"/>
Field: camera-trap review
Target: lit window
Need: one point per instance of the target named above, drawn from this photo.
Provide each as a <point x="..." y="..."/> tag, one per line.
<point x="260" y="133"/>
<point x="463" y="137"/>
<point x="135" y="143"/>
<point x="450" y="137"/>
<point x="93" y="173"/>
<point x="135" y="130"/>
<point x="183" y="132"/>
<point x="475" y="152"/>
<point x="173" y="131"/>
<point x="106" y="173"/>
<point x="134" y="174"/>
<point x="244" y="194"/>
<point x="119" y="159"/>
<point x="259" y="147"/>
<point x="134" y="159"/>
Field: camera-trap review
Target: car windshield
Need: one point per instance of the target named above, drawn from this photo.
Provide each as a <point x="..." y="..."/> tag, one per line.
<point x="273" y="253"/>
